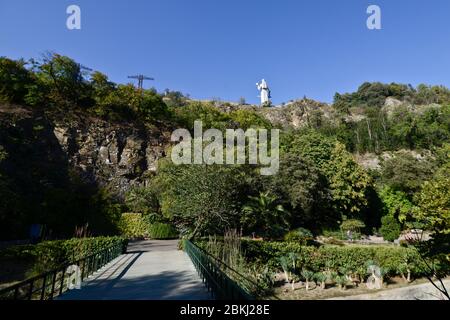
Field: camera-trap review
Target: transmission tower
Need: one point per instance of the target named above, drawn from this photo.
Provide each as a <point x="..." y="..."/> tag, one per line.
<point x="141" y="78"/>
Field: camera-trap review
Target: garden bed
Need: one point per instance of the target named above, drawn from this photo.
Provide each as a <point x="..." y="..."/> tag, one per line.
<point x="284" y="292"/>
<point x="285" y="268"/>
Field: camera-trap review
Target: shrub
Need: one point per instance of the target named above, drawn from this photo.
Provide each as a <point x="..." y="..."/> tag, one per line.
<point x="300" y="235"/>
<point x="249" y="119"/>
<point x="352" y="225"/>
<point x="390" y="228"/>
<point x="133" y="225"/>
<point x="333" y="241"/>
<point x="206" y="112"/>
<point x="265" y="279"/>
<point x="337" y="234"/>
<point x="351" y="259"/>
<point x="308" y="276"/>
<point x="49" y="255"/>
<point x="162" y="231"/>
<point x="321" y="279"/>
<point x="342" y="282"/>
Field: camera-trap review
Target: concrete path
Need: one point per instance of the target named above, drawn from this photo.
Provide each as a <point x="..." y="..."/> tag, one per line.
<point x="151" y="270"/>
<point x="424" y="291"/>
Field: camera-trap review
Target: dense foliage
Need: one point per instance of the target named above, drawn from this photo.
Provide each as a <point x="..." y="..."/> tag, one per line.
<point x="390" y="228"/>
<point x="300" y="235"/>
<point x="59" y="82"/>
<point x="343" y="260"/>
<point x="200" y="199"/>
<point x="319" y="184"/>
<point x="373" y="95"/>
<point x="416" y="117"/>
<point x="48" y="255"/>
<point x="162" y="231"/>
<point x="133" y="226"/>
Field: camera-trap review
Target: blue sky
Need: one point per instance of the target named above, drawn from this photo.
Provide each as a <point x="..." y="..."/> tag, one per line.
<point x="211" y="48"/>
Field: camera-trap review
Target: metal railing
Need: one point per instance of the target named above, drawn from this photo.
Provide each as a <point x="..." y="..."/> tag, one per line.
<point x="53" y="283"/>
<point x="217" y="276"/>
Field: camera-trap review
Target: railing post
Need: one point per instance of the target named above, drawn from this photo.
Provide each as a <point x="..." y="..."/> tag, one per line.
<point x="53" y="284"/>
<point x="30" y="292"/>
<point x="43" y="287"/>
<point x="83" y="265"/>
<point x="217" y="281"/>
<point x="62" y="282"/>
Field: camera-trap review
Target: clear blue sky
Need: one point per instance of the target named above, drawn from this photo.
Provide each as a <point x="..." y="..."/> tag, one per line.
<point x="212" y="48"/>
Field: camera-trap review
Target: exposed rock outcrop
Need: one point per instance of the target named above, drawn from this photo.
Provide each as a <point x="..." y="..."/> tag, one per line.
<point x="116" y="156"/>
<point x="298" y="114"/>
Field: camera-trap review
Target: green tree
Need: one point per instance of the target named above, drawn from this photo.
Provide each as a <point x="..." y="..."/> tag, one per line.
<point x="396" y="203"/>
<point x="120" y="103"/>
<point x="265" y="215"/>
<point x="406" y="173"/>
<point x="249" y="119"/>
<point x="311" y="145"/>
<point x="434" y="214"/>
<point x="174" y="98"/>
<point x="101" y="85"/>
<point x="348" y="181"/>
<point x="14" y="80"/>
<point x="142" y="200"/>
<point x="303" y="190"/>
<point x="403" y="128"/>
<point x="64" y="81"/>
<point x="210" y="116"/>
<point x="434" y="202"/>
<point x="151" y="107"/>
<point x="201" y="199"/>
<point x="127" y="102"/>
<point x="390" y="228"/>
<point x="432" y="94"/>
<point x="433" y="127"/>
<point x="352" y="225"/>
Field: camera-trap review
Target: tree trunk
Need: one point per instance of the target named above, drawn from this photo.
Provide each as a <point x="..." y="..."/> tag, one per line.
<point x="369" y="130"/>
<point x="403" y="277"/>
<point x="286" y="275"/>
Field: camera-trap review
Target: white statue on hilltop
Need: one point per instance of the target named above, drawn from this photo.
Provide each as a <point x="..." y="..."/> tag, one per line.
<point x="264" y="92"/>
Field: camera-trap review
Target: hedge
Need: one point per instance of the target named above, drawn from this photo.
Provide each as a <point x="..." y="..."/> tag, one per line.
<point x="133" y="225"/>
<point x="162" y="231"/>
<point x="352" y="259"/>
<point x="136" y="226"/>
<point x="49" y="255"/>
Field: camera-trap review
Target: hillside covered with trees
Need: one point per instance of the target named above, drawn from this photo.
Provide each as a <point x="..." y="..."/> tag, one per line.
<point x="52" y="109"/>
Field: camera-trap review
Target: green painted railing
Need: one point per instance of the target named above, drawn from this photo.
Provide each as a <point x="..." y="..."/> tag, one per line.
<point x="217" y="275"/>
<point x="51" y="284"/>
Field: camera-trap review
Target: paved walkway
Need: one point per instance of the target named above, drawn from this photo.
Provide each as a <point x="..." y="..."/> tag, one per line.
<point x="151" y="270"/>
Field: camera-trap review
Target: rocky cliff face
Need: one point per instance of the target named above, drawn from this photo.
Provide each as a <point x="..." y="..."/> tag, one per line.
<point x="116" y="156"/>
<point x="298" y="114"/>
<point x="293" y="115"/>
